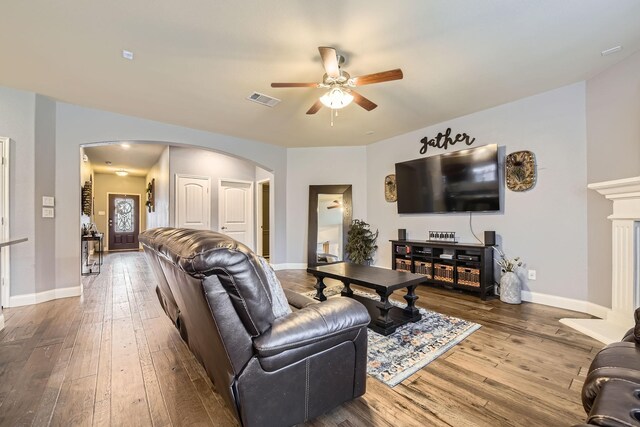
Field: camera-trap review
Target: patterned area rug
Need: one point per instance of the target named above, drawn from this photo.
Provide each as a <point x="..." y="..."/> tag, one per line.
<point x="396" y="357"/>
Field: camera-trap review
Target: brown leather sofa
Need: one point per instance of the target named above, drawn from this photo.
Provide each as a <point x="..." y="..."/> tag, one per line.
<point x="270" y="371"/>
<point x="611" y="391"/>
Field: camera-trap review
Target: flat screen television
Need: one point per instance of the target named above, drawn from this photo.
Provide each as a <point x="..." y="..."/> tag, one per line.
<point x="461" y="181"/>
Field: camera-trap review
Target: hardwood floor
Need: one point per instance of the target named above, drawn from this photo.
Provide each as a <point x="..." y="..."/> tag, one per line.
<point x="112" y="357"/>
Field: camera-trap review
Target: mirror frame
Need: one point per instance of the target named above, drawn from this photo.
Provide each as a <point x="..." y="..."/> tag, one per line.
<point x="347" y="214"/>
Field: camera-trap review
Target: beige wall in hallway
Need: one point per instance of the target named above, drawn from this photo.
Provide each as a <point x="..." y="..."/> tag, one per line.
<point x="112" y="183"/>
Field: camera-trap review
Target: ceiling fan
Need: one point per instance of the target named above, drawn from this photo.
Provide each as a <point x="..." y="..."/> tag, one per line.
<point x="335" y="204"/>
<point x="341" y="84"/>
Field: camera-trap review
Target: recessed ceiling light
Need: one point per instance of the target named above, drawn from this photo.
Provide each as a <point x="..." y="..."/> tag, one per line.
<point x="125" y="145"/>
<point x="611" y="50"/>
<point x="127" y="54"/>
<point x="122" y="172"/>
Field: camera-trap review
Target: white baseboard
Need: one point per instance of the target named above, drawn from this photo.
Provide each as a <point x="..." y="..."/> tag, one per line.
<point x="1" y="321"/>
<point x="37" y="298"/>
<point x="290" y="266"/>
<point x="566" y="303"/>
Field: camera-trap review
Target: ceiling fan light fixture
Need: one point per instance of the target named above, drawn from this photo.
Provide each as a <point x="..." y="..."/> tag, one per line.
<point x="336" y="98"/>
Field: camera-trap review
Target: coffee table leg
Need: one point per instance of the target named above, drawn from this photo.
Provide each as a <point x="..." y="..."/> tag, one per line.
<point x="346" y="291"/>
<point x="320" y="288"/>
<point x="411" y="298"/>
<point x="384" y="306"/>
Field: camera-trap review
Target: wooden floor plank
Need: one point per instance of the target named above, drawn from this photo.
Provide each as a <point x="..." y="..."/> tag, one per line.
<point x="184" y="406"/>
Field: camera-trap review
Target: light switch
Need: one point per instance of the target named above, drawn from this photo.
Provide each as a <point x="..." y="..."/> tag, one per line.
<point x="101" y="213"/>
<point x="47" y="212"/>
<point x="48" y="201"/>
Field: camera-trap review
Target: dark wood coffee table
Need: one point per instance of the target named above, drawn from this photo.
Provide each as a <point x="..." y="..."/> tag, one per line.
<point x="385" y="317"/>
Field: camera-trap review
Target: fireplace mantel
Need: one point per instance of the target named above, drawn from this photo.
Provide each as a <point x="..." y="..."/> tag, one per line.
<point x="625" y="280"/>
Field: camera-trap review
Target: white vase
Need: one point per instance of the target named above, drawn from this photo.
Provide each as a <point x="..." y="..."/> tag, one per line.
<point x="510" y="288"/>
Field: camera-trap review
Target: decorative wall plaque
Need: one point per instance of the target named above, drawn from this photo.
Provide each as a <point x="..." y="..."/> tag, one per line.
<point x="444" y="140"/>
<point x="520" y="171"/>
<point x="390" y="190"/>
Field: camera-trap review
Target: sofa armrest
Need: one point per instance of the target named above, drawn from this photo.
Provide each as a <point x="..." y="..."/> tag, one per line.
<point x="311" y="330"/>
<point x="297" y="300"/>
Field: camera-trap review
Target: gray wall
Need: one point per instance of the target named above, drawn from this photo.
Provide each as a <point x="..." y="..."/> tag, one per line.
<point x="613" y="152"/>
<point x="320" y="166"/>
<point x="216" y="166"/>
<point x="160" y="172"/>
<point x="546" y="226"/>
<point x="44" y="228"/>
<point x="17" y="121"/>
<point x="78" y="125"/>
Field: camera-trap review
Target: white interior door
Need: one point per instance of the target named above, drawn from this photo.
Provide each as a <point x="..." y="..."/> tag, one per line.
<point x="193" y="202"/>
<point x="235" y="209"/>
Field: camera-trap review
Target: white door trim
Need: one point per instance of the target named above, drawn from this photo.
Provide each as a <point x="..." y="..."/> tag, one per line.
<point x="5" y="254"/>
<point x="105" y="238"/>
<point x="258" y="218"/>
<point x="251" y="221"/>
<point x="175" y="194"/>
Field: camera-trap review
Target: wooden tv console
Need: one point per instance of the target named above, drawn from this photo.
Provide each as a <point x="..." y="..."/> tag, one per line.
<point x="470" y="267"/>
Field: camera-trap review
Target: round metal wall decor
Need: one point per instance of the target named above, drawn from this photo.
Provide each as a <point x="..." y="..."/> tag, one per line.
<point x="520" y="171"/>
<point x="390" y="190"/>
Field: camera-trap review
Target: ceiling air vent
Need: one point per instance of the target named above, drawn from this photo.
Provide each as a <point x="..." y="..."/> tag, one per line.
<point x="263" y="99"/>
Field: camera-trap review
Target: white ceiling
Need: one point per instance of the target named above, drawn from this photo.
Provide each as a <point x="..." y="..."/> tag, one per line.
<point x="196" y="62"/>
<point x="136" y="159"/>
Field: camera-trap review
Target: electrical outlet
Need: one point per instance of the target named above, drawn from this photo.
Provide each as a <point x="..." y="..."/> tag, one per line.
<point x="532" y="275"/>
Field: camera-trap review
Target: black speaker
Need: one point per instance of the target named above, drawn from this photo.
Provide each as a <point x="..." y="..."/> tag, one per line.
<point x="402" y="234"/>
<point x="489" y="238"/>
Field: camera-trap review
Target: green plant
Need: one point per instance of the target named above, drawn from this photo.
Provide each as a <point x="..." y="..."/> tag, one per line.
<point x="361" y="242"/>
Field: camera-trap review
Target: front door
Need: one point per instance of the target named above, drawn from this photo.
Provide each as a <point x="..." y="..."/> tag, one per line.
<point x="124" y="217"/>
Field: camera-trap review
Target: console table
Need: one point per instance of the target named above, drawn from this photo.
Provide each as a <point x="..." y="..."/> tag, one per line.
<point x="90" y="267"/>
<point x="467" y="267"/>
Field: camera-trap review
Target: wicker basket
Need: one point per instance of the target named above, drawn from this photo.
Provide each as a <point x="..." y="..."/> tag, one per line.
<point x="403" y="264"/>
<point x="469" y="276"/>
<point x="443" y="272"/>
<point x="424" y="268"/>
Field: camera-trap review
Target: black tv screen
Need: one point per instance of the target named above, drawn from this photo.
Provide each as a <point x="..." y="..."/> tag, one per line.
<point x="462" y="181"/>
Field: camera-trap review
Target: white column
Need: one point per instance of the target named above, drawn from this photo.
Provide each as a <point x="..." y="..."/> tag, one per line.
<point x="625" y="280"/>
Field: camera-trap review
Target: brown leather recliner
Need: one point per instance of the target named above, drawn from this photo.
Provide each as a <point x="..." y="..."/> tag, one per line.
<point x="270" y="371"/>
<point x="611" y="391"/>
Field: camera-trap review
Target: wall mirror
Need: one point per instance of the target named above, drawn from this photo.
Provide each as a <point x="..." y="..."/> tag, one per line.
<point x="330" y="215"/>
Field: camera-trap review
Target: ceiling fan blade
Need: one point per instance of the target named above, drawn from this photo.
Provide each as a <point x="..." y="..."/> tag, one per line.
<point x="315" y="107"/>
<point x="294" y="85"/>
<point x="330" y="61"/>
<point x="383" y="76"/>
<point x="362" y="101"/>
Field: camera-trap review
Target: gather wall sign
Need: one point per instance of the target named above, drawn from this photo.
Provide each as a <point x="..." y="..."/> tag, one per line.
<point x="444" y="140"/>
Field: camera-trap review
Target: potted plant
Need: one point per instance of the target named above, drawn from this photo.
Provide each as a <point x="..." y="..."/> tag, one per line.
<point x="361" y="242"/>
<point x="510" y="286"/>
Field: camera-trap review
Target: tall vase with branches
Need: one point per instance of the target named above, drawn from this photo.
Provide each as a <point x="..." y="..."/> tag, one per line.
<point x="361" y="242"/>
<point x="510" y="286"/>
